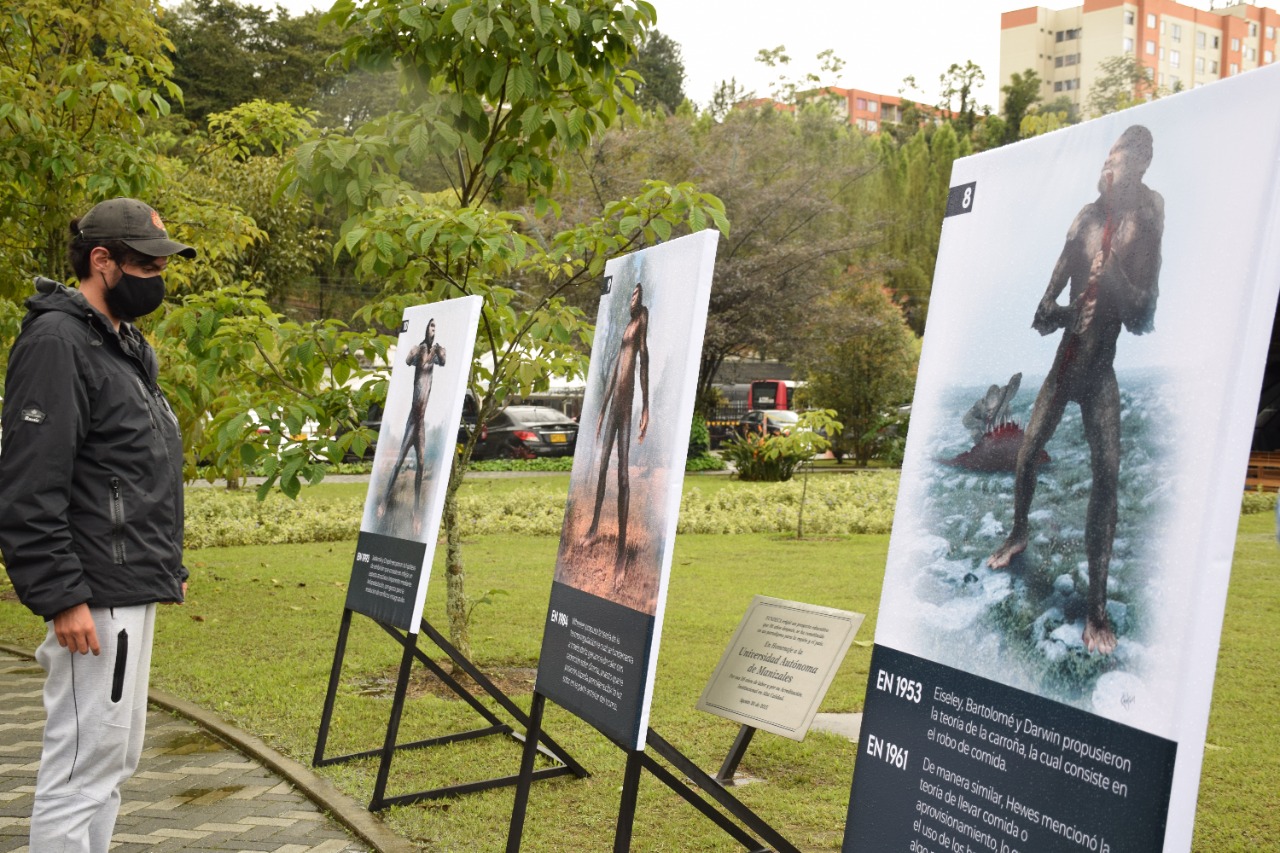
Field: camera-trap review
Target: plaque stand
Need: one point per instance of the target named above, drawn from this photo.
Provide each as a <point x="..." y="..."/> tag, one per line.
<point x="563" y="763"/>
<point x="734" y="758"/>
<point x="710" y="794"/>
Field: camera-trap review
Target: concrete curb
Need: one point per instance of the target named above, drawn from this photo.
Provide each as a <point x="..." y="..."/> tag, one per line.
<point x="320" y="791"/>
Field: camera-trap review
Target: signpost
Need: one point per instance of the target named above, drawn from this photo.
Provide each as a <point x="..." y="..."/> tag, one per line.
<point x="776" y="670"/>
<point x="604" y="622"/>
<point x="398" y="536"/>
<point x="1048" y="631"/>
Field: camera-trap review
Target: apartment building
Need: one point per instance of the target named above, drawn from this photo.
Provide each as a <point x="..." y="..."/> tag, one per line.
<point x="1183" y="46"/>
<point x="864" y="110"/>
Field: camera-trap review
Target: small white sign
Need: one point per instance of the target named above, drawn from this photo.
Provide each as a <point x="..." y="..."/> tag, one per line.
<point x="779" y="665"/>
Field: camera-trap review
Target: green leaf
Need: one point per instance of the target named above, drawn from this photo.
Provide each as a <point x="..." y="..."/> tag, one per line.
<point x="354" y="236"/>
<point x="461" y="18"/>
<point x="697" y="220"/>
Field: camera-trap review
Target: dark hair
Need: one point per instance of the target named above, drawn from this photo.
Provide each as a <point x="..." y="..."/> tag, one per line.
<point x="1136" y="139"/>
<point x="79" y="249"/>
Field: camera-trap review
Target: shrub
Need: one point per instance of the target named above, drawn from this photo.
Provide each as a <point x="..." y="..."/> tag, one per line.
<point x="554" y="463"/>
<point x="218" y="518"/>
<point x="759" y="459"/>
<point x="699" y="438"/>
<point x="835" y="505"/>
<point x="774" y="459"/>
<point x="1259" y="501"/>
<point x="705" y="462"/>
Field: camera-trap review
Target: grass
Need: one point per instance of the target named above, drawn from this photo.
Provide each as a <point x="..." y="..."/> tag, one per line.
<point x="255" y="642"/>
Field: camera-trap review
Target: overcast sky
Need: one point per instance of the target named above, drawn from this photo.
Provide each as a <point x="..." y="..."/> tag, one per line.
<point x="880" y="42"/>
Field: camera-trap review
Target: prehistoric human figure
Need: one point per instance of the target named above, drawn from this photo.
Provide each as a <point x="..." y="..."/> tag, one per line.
<point x="1112" y="261"/>
<point x="424" y="358"/>
<point x="91" y="512"/>
<point x="615" y="419"/>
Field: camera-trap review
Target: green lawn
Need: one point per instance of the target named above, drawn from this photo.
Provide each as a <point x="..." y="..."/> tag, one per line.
<point x="255" y="643"/>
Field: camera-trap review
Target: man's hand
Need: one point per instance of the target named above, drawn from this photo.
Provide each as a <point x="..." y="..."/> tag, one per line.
<point x="76" y="631"/>
<point x="1048" y="318"/>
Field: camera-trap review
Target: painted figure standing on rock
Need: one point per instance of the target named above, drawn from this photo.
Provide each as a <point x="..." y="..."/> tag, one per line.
<point x="1112" y="261"/>
<point x="424" y="358"/>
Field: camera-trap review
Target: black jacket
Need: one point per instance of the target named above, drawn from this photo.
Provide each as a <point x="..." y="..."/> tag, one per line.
<point x="91" y="468"/>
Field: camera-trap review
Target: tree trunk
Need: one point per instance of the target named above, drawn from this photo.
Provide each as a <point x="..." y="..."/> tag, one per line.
<point x="804" y="492"/>
<point x="455" y="575"/>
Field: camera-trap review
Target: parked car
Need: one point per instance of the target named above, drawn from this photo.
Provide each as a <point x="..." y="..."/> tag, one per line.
<point x="525" y="432"/>
<point x="768" y="422"/>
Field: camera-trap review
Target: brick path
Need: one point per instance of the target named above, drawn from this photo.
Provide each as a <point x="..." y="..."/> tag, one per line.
<point x="191" y="792"/>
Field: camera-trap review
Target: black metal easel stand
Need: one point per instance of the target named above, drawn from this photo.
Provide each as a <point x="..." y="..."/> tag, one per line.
<point x="712" y="793"/>
<point x="564" y="763"/>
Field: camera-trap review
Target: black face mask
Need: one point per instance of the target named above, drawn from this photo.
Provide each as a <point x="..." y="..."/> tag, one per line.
<point x="135" y="296"/>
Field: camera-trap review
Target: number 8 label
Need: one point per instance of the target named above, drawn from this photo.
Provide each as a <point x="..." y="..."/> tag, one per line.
<point x="960" y="199"/>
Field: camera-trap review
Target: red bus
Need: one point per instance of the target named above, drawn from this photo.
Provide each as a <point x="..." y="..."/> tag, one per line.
<point x="773" y="394"/>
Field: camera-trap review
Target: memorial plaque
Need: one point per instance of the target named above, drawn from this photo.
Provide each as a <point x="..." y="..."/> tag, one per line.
<point x="779" y="665"/>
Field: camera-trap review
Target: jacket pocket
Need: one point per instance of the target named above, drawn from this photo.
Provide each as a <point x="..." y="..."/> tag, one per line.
<point x="117" y="522"/>
<point x="122" y="658"/>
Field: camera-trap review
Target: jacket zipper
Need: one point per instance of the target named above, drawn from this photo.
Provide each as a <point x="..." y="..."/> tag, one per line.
<point x="117" y="522"/>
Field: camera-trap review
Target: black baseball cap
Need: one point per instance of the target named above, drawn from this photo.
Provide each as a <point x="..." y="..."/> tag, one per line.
<point x="133" y="223"/>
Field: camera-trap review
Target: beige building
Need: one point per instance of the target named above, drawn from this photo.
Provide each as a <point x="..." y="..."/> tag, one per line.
<point x="1183" y="46"/>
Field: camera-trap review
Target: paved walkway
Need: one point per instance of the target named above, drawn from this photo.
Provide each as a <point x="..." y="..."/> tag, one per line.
<point x="192" y="791"/>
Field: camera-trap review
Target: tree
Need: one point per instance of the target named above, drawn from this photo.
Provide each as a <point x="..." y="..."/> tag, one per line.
<point x="659" y="62"/>
<point x="1021" y="93"/>
<point x="1123" y="81"/>
<point x="727" y="95"/>
<point x="791" y="185"/>
<point x="860" y="361"/>
<point x="245" y="379"/>
<point x="80" y="81"/>
<point x="215" y="46"/>
<point x="499" y="91"/>
<point x="957" y="98"/>
<point x="989" y="132"/>
<point x="82" y="87"/>
<point x="796" y="186"/>
<point x="227" y="53"/>
<point x="791" y="91"/>
<point x="911" y="198"/>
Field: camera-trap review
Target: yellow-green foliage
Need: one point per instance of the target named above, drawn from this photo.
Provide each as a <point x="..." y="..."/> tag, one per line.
<point x="835" y="505"/>
<point x="1255" y="502"/>
<point x="216" y="518"/>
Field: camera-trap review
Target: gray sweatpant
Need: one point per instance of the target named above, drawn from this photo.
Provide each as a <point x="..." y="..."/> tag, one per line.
<point x="97" y="714"/>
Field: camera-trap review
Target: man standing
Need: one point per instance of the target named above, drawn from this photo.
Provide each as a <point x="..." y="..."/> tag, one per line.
<point x="1112" y="261"/>
<point x="615" y="420"/>
<point x="91" y="512"/>
<point x="424" y="359"/>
